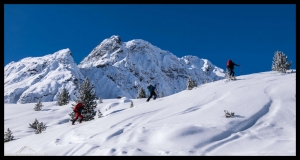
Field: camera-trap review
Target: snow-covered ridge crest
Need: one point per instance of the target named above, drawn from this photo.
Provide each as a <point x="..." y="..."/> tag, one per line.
<point x="103" y="52"/>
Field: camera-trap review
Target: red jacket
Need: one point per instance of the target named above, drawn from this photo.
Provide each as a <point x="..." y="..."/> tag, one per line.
<point x="78" y="107"/>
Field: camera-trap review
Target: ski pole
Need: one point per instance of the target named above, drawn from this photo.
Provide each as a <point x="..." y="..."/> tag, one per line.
<point x="240" y="70"/>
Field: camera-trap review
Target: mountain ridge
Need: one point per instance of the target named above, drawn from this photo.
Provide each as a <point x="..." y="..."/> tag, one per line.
<point x="116" y="68"/>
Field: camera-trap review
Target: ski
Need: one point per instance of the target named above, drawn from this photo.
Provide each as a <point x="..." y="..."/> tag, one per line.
<point x="230" y="79"/>
<point x="75" y="124"/>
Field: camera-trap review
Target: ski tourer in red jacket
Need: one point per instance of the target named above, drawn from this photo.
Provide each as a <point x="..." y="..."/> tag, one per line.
<point x="77" y="109"/>
<point x="230" y="67"/>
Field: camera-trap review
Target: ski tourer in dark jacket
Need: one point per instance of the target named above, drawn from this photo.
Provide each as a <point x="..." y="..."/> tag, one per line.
<point x="151" y="89"/>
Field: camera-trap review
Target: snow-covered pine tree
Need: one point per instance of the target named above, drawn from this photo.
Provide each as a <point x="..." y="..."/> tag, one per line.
<point x="87" y="95"/>
<point x="162" y="94"/>
<point x="191" y="83"/>
<point x="141" y="93"/>
<point x="131" y="104"/>
<point x="195" y="83"/>
<point x="38" y="106"/>
<point x="99" y="114"/>
<point x="100" y="100"/>
<point x="40" y="127"/>
<point x="8" y="136"/>
<point x="59" y="99"/>
<point x="34" y="124"/>
<point x="280" y="62"/>
<point x="63" y="98"/>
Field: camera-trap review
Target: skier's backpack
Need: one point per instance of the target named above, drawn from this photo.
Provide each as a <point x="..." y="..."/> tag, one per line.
<point x="77" y="107"/>
<point x="149" y="88"/>
<point x="229" y="63"/>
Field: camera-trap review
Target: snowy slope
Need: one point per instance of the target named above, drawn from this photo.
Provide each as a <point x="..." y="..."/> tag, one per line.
<point x="191" y="122"/>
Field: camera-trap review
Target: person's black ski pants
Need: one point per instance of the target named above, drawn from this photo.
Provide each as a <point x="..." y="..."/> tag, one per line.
<point x="231" y="72"/>
<point x="152" y="94"/>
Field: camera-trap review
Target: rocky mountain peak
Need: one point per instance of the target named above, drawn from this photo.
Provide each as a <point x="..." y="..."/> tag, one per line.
<point x="115" y="68"/>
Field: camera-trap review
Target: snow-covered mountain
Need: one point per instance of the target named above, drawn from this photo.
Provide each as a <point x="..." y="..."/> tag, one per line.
<point x="115" y="68"/>
<point x="119" y="69"/>
<point x="41" y="78"/>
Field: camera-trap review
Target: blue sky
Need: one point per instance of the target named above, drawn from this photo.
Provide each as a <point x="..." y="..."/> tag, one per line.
<point x="249" y="34"/>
